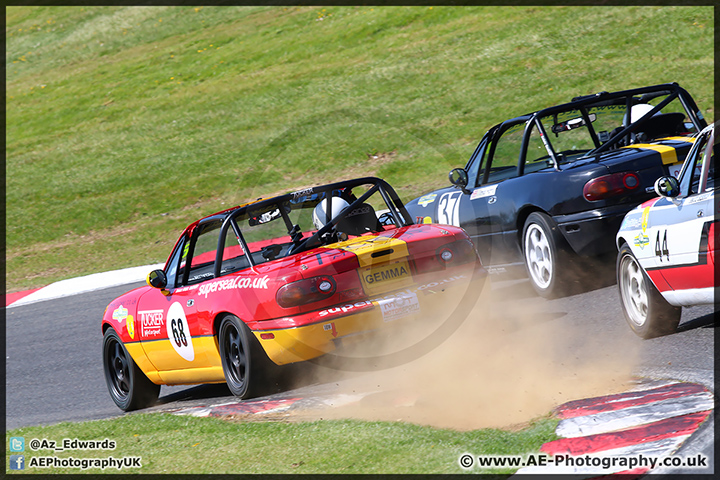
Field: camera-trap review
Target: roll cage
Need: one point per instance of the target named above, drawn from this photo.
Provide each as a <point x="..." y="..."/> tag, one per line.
<point x="279" y="208"/>
<point x="601" y="141"/>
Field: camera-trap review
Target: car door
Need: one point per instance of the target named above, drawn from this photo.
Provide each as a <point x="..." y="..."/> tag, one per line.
<point x="684" y="226"/>
<point x="171" y="332"/>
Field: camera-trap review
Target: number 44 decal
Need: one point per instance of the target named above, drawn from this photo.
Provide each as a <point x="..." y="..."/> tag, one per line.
<point x="661" y="250"/>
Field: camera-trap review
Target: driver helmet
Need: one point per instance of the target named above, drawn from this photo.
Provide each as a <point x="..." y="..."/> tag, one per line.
<point x="637" y="111"/>
<point x="320" y="212"/>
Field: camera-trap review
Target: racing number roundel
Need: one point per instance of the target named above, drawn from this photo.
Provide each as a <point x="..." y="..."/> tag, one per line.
<point x="178" y="332"/>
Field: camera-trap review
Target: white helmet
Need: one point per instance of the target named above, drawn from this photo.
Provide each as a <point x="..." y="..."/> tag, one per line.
<point x="637" y="111"/>
<point x="320" y="212"/>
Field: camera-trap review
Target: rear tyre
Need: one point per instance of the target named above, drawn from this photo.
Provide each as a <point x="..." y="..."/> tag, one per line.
<point x="129" y="388"/>
<point x="546" y="255"/>
<point x="243" y="360"/>
<point x="646" y="311"/>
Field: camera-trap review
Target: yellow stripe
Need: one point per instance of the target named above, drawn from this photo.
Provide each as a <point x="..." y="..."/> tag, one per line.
<point x="681" y="139"/>
<point x="364" y="246"/>
<point x="667" y="154"/>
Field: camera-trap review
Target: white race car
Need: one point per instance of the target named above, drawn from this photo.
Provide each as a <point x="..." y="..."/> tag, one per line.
<point x="666" y="246"/>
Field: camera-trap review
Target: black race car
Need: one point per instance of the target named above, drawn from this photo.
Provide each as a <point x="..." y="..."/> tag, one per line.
<point x="549" y="188"/>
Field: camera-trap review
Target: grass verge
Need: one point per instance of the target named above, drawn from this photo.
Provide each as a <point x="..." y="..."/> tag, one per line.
<point x="125" y="124"/>
<point x="179" y="444"/>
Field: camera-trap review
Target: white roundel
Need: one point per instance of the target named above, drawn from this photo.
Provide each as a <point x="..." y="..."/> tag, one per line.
<point x="178" y="332"/>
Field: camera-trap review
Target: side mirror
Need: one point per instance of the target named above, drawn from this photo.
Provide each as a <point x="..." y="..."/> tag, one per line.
<point x="667" y="187"/>
<point x="459" y="178"/>
<point x="157" y="279"/>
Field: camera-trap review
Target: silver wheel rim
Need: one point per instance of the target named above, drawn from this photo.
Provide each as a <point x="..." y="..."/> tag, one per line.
<point x="538" y="256"/>
<point x="633" y="291"/>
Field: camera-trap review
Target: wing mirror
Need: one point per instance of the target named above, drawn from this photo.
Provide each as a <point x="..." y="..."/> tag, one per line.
<point x="667" y="187"/>
<point x="459" y="178"/>
<point x="157" y="279"/>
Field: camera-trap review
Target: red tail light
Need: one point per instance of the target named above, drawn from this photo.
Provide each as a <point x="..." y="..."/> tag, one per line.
<point x="448" y="255"/>
<point x="305" y="291"/>
<point x="609" y="185"/>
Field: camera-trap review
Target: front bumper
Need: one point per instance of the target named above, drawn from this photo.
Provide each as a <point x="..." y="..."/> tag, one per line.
<point x="322" y="331"/>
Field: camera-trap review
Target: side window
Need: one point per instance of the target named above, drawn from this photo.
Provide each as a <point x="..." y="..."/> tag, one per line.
<point x="690" y="176"/>
<point x="172" y="271"/>
<point x="473" y="166"/>
<point x="505" y="154"/>
<point x="537" y="156"/>
<point x="204" y="249"/>
<point x="233" y="255"/>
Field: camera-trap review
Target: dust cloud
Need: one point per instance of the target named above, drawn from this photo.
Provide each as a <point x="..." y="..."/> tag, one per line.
<point x="510" y="361"/>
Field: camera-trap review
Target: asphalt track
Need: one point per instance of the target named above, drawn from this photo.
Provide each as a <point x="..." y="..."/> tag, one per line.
<point x="54" y="372"/>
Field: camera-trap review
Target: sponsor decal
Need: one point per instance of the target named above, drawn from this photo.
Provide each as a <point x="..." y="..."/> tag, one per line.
<point x="391" y="272"/>
<point x="483" y="192"/>
<point x="360" y="211"/>
<point x="641" y="239"/>
<point x="151" y="323"/>
<point x="232" y="283"/>
<point x="426" y="200"/>
<point x="345" y="308"/>
<point x="120" y="314"/>
<point x="330" y="327"/>
<point x="178" y="332"/>
<point x="698" y="198"/>
<point x="130" y="324"/>
<point x="631" y="222"/>
<point x="302" y="193"/>
<point x="399" y="307"/>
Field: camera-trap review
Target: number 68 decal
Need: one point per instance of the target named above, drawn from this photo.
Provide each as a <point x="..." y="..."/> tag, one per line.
<point x="178" y="332"/>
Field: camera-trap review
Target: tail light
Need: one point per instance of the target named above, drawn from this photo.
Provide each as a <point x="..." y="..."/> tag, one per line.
<point x="448" y="255"/>
<point x="610" y="185"/>
<point x="305" y="291"/>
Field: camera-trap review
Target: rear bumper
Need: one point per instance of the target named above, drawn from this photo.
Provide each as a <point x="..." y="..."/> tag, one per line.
<point x="322" y="331"/>
<point x="592" y="233"/>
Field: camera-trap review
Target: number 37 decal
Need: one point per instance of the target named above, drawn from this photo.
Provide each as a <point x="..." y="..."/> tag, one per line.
<point x="449" y="209"/>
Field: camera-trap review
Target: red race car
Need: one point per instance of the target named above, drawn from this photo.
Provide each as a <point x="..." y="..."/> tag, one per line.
<point x="278" y="281"/>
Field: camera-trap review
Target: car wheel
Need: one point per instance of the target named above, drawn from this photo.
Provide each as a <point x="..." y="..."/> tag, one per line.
<point x="646" y="311"/>
<point x="129" y="388"/>
<point x="242" y="357"/>
<point x="545" y="253"/>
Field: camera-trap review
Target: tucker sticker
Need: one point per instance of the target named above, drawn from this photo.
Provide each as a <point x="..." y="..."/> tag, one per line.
<point x="120" y="314"/>
<point x="399" y="307"/>
<point x="178" y="331"/>
<point x="426" y="200"/>
<point x="151" y="323"/>
<point x="230" y="283"/>
<point x="483" y="192"/>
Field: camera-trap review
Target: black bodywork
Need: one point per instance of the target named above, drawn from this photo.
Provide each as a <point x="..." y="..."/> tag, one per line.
<point x="526" y="164"/>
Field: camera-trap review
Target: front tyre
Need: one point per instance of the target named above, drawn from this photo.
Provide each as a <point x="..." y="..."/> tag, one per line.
<point x="544" y="252"/>
<point x="129" y="388"/>
<point x="646" y="311"/>
<point x="243" y="360"/>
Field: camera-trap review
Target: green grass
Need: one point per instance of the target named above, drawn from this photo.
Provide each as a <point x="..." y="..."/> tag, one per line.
<point x="179" y="444"/>
<point x="125" y="124"/>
